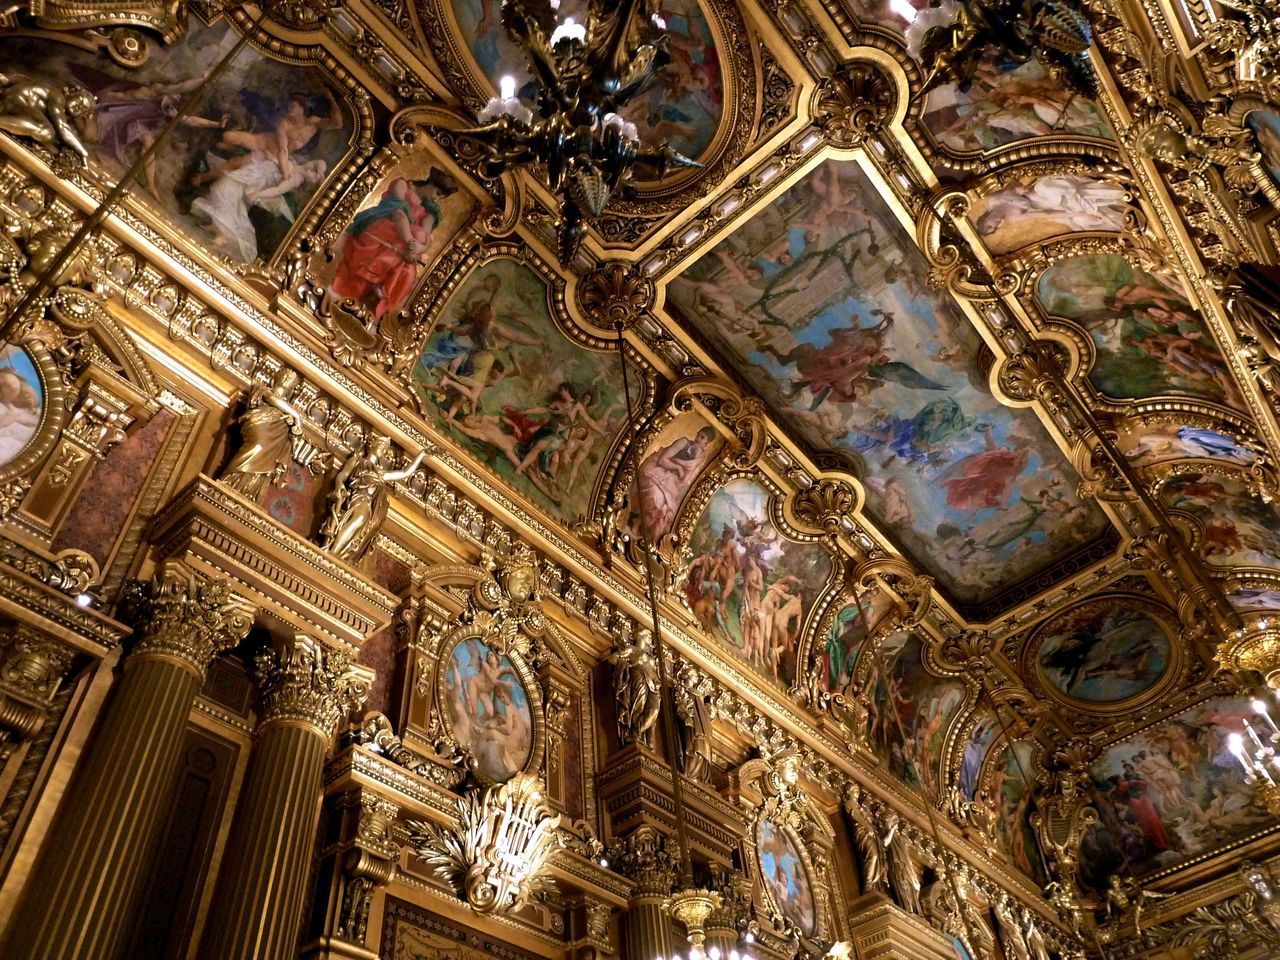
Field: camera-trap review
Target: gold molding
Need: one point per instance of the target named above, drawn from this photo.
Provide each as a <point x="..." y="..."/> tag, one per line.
<point x="290" y="579"/>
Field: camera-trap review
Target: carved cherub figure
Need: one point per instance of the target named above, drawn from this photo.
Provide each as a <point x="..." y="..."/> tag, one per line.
<point x="45" y="112"/>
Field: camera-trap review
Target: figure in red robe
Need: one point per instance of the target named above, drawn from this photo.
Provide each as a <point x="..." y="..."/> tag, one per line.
<point x="1131" y="789"/>
<point x="984" y="479"/>
<point x="380" y="255"/>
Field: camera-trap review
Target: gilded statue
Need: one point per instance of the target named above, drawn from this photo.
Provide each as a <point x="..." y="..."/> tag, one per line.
<point x="698" y="759"/>
<point x="636" y="687"/>
<point x="904" y="873"/>
<point x="871" y="852"/>
<point x="1035" y="940"/>
<point x="267" y="426"/>
<point x="1125" y="895"/>
<point x="1012" y="937"/>
<point x="359" y="499"/>
<point x="976" y="926"/>
<point x="48" y="113"/>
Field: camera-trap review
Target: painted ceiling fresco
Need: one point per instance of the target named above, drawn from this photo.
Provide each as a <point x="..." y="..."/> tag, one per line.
<point x="821" y="353"/>
<point x="750" y="586"/>
<point x="512" y="388"/>
<point x="821" y="298"/>
<point x="1008" y="102"/>
<point x="1149" y="339"/>
<point x="223" y="181"/>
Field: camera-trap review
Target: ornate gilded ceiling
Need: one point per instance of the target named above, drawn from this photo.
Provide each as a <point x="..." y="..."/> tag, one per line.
<point x="946" y="422"/>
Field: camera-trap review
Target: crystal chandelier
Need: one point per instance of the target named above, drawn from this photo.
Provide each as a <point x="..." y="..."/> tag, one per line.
<point x="1256" y="753"/>
<point x="584" y="75"/>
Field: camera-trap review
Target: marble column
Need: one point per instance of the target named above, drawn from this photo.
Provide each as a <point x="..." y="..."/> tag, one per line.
<point x="85" y="888"/>
<point x="256" y="912"/>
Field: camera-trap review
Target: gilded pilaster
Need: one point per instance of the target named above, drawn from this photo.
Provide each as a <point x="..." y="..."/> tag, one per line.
<point x="352" y="868"/>
<point x="257" y="907"/>
<point x="85" y="888"/>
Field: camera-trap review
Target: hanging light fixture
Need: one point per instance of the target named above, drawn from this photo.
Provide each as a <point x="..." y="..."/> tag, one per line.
<point x="691" y="904"/>
<point x="1255" y="750"/>
<point x="584" y="74"/>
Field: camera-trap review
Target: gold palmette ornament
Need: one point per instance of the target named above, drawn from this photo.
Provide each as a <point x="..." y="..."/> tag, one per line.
<point x="495" y="857"/>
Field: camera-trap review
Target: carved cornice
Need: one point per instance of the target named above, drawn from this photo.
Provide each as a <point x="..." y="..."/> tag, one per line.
<point x="218" y="532"/>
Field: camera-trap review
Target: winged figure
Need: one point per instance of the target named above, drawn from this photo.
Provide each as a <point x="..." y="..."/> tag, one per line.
<point x="851" y="365"/>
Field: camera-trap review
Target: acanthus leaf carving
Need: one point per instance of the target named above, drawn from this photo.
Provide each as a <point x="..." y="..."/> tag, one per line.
<point x="496" y="855"/>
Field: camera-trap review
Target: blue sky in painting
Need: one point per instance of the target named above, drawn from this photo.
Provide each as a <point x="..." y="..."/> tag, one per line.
<point x="822" y="293"/>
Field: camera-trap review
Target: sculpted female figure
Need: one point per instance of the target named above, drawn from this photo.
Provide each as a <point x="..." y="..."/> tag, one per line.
<point x="267" y="424"/>
<point x="635" y="684"/>
<point x="903" y="871"/>
<point x="871" y="852"/>
<point x="358" y="502"/>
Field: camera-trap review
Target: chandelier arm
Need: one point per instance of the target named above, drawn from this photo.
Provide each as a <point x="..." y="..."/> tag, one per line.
<point x="529" y="35"/>
<point x="612" y="56"/>
<point x="666" y="696"/>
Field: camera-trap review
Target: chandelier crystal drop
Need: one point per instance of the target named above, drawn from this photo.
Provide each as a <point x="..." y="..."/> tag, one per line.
<point x="584" y="75"/>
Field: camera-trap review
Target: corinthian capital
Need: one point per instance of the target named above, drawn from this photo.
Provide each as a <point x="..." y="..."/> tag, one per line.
<point x="189" y="618"/>
<point x="307" y="683"/>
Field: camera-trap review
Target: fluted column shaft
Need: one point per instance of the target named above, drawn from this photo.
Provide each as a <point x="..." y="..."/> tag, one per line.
<point x="646" y="931"/>
<point x="86" y="887"/>
<point x="257" y="908"/>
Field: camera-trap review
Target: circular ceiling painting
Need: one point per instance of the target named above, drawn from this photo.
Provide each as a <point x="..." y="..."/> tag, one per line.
<point x="488" y="709"/>
<point x="21" y="402"/>
<point x="1104" y="651"/>
<point x="784" y="873"/>
<point x="683" y="107"/>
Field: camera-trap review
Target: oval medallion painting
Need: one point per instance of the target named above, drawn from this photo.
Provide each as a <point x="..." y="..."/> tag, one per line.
<point x="1104" y="652"/>
<point x="784" y="872"/>
<point x="489" y="712"/>
<point x="21" y="402"/>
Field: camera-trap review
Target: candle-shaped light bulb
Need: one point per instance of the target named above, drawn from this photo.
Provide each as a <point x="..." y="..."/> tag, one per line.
<point x="714" y="953"/>
<point x="507" y="87"/>
<point x="1260" y="708"/>
<point x="1253" y="734"/>
<point x="659" y="22"/>
<point x="1235" y="743"/>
